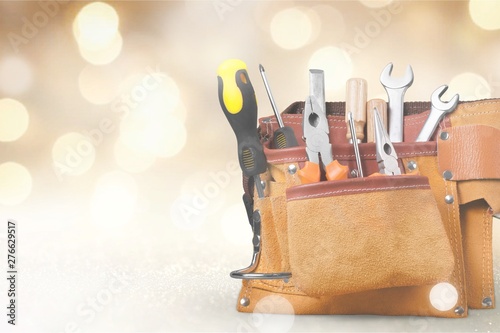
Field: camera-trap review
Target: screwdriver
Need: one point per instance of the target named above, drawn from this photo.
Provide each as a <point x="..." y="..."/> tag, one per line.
<point x="238" y="102"/>
<point x="283" y="136"/>
<point x="355" y="103"/>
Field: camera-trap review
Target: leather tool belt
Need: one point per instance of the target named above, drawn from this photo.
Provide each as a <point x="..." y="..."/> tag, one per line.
<point x="415" y="244"/>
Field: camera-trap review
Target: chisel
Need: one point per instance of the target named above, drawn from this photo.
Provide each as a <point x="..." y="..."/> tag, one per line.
<point x="238" y="102"/>
<point x="283" y="137"/>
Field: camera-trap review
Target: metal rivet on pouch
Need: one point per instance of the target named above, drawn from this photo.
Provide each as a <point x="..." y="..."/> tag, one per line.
<point x="412" y="165"/>
<point x="459" y="311"/>
<point x="449" y="199"/>
<point x="244" y="302"/>
<point x="447" y="175"/>
<point x="487" y="302"/>
<point x="444" y="135"/>
<point x="292" y="169"/>
<point x="354" y="173"/>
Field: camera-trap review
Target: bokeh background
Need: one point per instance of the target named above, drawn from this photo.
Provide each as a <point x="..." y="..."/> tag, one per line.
<point x="121" y="170"/>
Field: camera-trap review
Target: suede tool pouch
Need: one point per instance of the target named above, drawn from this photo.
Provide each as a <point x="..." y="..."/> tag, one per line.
<point x="366" y="233"/>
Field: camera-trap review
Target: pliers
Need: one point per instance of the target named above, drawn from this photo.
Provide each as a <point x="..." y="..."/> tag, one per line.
<point x="387" y="158"/>
<point x="315" y="134"/>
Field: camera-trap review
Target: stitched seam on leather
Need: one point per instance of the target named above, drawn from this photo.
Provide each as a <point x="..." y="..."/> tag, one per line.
<point x="472" y="105"/>
<point x="360" y="190"/>
<point x="274" y="287"/>
<point x="418" y="153"/>
<point x="476" y="114"/>
<point x="291" y="159"/>
<point x="458" y="275"/>
<point x="483" y="281"/>
<point x="352" y="155"/>
<point x="488" y="251"/>
<point x="453" y="238"/>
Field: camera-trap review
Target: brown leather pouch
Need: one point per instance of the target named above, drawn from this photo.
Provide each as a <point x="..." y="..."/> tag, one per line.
<point x="445" y="221"/>
<point x="365" y="234"/>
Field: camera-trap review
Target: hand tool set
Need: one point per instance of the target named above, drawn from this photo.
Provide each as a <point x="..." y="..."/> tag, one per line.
<point x="366" y="206"/>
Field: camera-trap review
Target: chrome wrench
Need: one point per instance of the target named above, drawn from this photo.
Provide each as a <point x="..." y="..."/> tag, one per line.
<point x="439" y="109"/>
<point x="396" y="88"/>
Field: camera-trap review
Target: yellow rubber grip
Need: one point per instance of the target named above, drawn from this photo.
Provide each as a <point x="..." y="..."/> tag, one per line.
<point x="231" y="94"/>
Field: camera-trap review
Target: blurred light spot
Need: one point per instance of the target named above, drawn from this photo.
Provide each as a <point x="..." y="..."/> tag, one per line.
<point x="114" y="200"/>
<point x="469" y="86"/>
<point x="96" y="25"/>
<point x="273" y="314"/>
<point x="291" y="28"/>
<point x="332" y="20"/>
<point x="98" y="85"/>
<point x="14" y="120"/>
<point x="235" y="227"/>
<point x="16" y="76"/>
<point x="160" y="134"/>
<point x="485" y="13"/>
<point x="104" y="55"/>
<point x="152" y="91"/>
<point x="15" y="183"/>
<point x="443" y="296"/>
<point x="375" y="3"/>
<point x="132" y="160"/>
<point x="337" y="66"/>
<point x="165" y="96"/>
<point x="73" y="154"/>
<point x="96" y="30"/>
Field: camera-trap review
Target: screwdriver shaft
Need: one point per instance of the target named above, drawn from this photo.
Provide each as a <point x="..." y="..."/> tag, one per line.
<point x="355" y="144"/>
<point x="270" y="95"/>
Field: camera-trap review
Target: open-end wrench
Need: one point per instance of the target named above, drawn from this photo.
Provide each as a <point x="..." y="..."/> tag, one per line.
<point x="439" y="109"/>
<point x="396" y="88"/>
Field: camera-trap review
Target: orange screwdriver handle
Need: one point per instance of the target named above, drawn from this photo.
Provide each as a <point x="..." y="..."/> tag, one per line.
<point x="336" y="171"/>
<point x="310" y="173"/>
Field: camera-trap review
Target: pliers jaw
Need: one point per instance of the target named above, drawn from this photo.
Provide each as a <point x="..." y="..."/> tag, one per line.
<point x="387" y="158"/>
<point x="315" y="129"/>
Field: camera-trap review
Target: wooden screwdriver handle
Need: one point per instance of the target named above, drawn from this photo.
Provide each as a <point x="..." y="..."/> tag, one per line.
<point x="356" y="90"/>
<point x="381" y="106"/>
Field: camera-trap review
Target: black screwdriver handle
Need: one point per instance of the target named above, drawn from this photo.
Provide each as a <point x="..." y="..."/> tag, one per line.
<point x="238" y="102"/>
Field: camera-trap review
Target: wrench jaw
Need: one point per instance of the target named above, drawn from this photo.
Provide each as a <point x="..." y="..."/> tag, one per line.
<point x="439" y="109"/>
<point x="391" y="82"/>
<point x="396" y="88"/>
<point x="438" y="104"/>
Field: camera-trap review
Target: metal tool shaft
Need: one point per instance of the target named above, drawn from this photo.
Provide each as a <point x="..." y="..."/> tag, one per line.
<point x="355" y="144"/>
<point x="270" y="95"/>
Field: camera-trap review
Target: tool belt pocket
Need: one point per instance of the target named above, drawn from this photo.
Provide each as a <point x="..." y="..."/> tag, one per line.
<point x="364" y="234"/>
